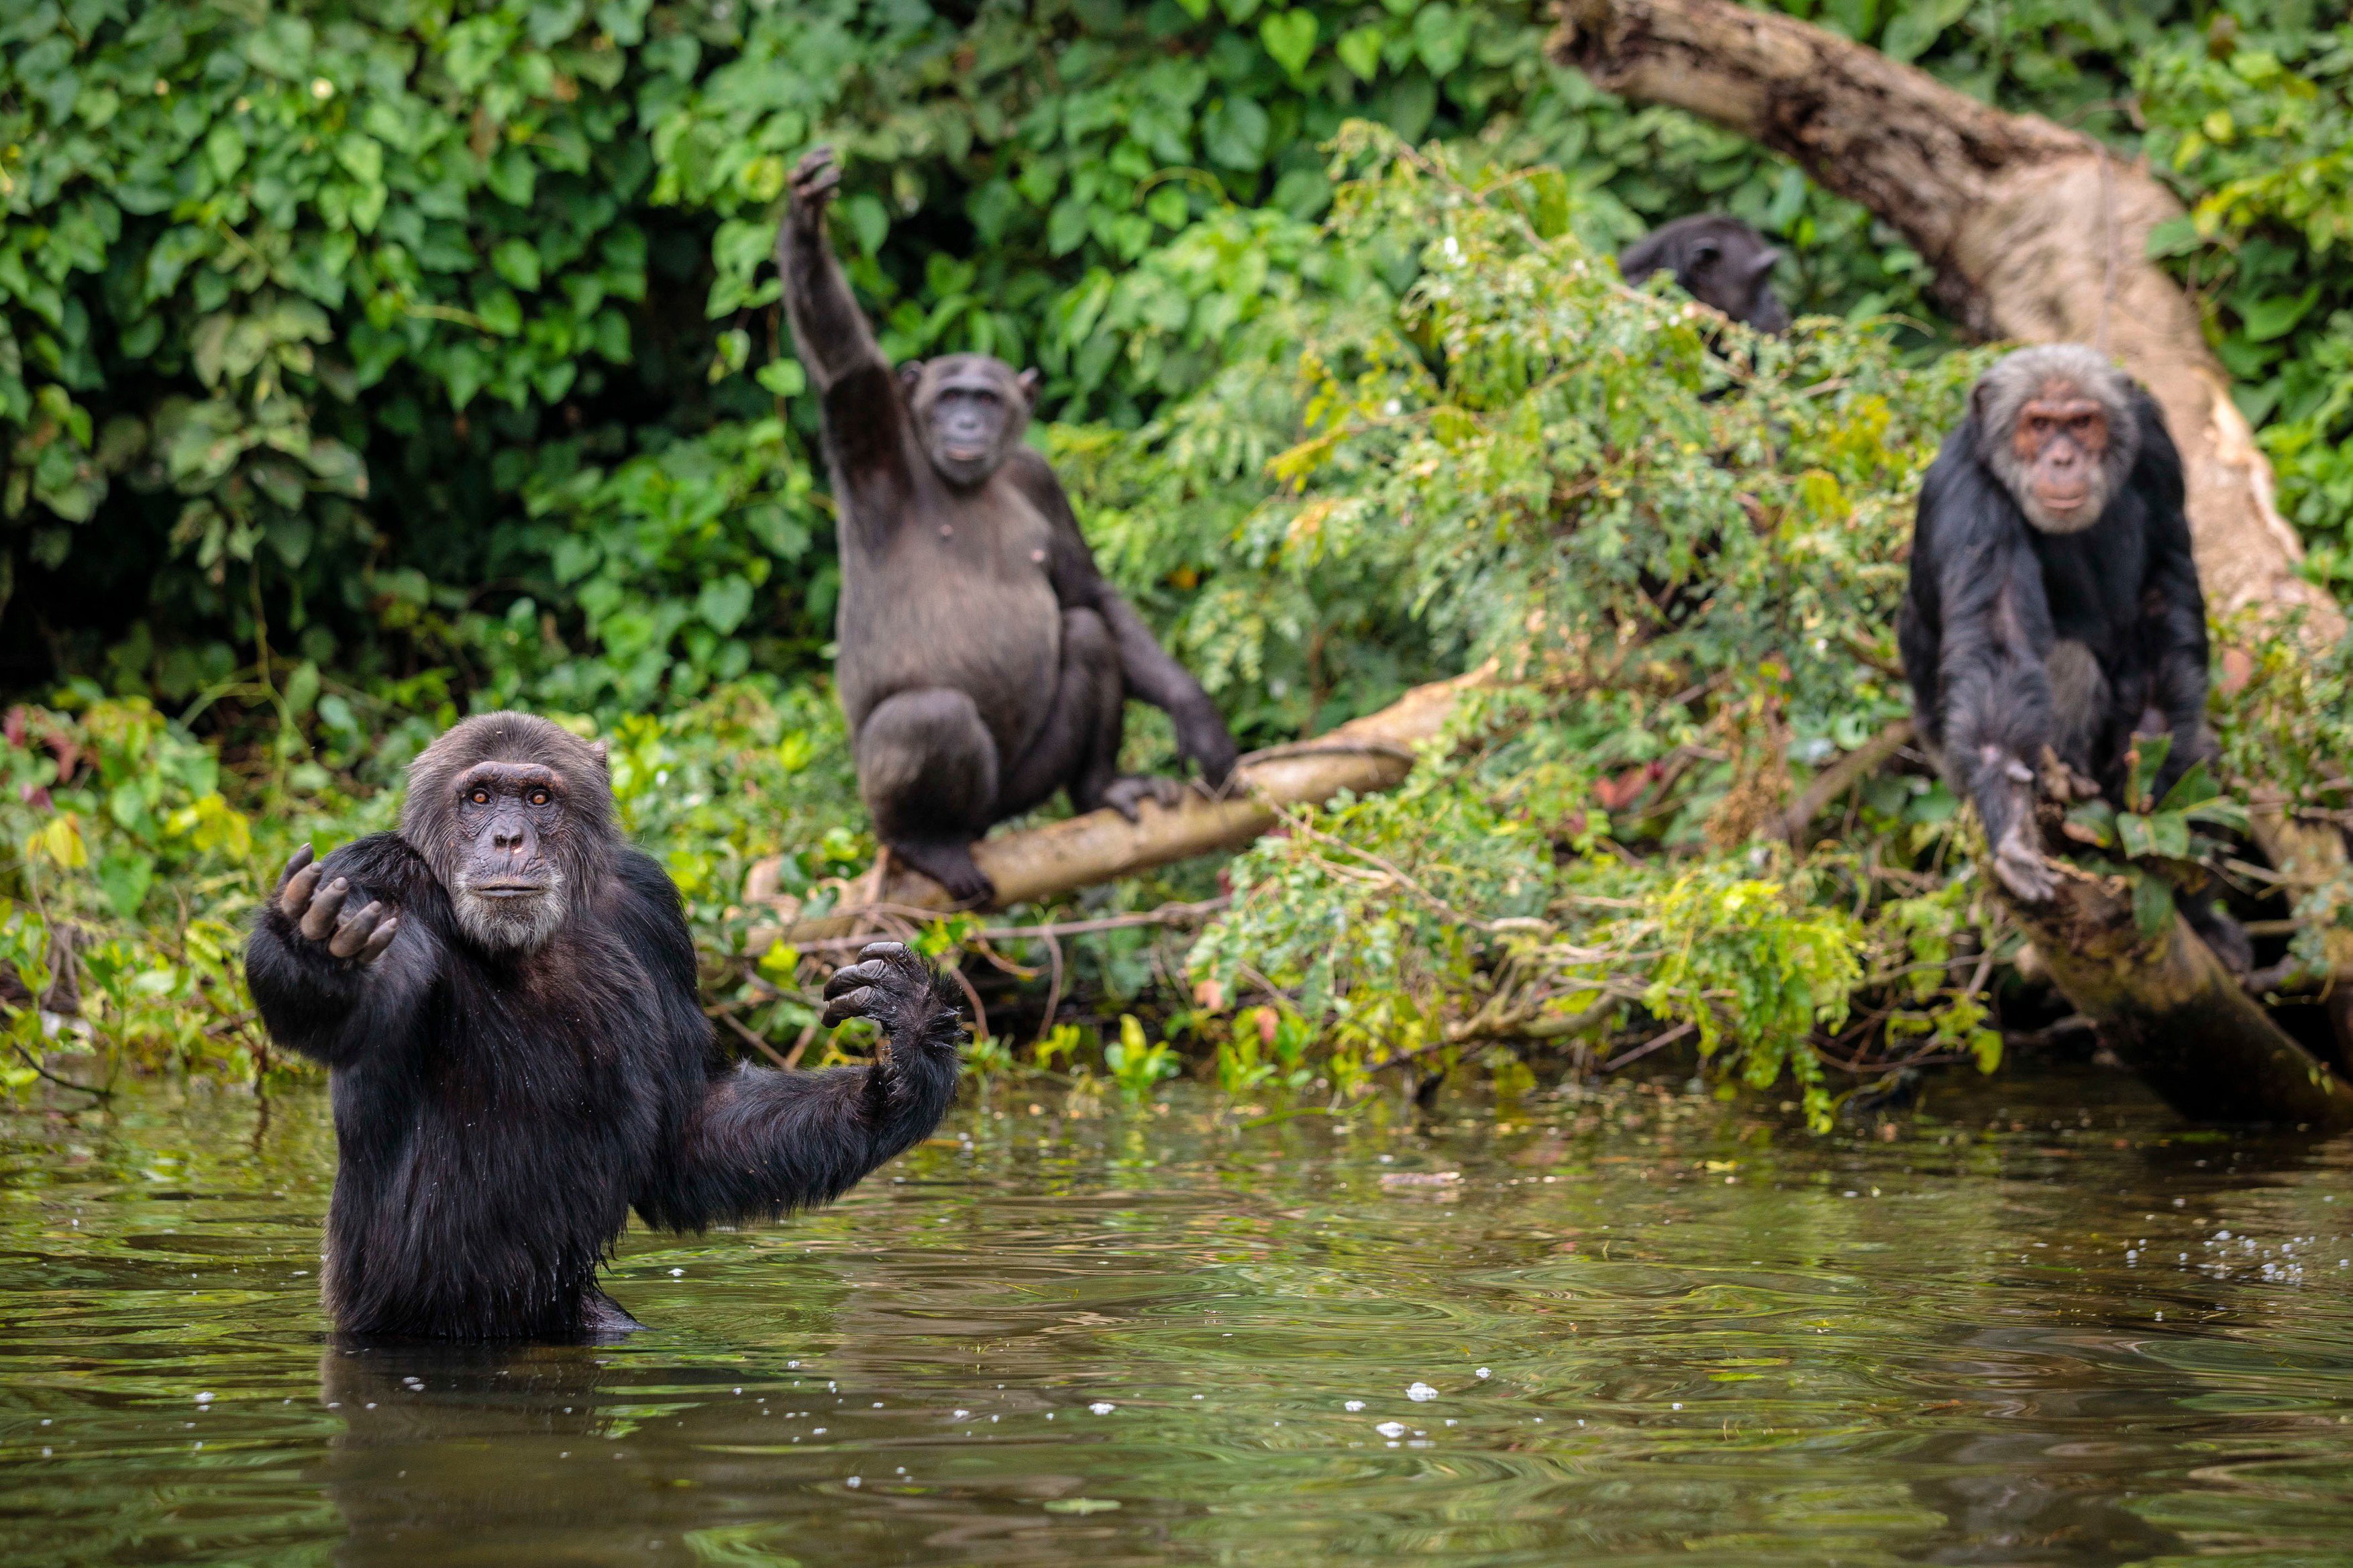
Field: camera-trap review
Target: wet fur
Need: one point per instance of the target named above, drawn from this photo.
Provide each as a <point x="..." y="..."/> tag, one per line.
<point x="499" y="1113"/>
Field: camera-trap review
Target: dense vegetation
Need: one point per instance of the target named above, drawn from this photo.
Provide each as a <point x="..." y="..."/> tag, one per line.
<point x="362" y="364"/>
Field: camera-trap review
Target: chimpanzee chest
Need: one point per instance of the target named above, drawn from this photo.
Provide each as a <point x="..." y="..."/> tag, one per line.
<point x="958" y="595"/>
<point x="2093" y="579"/>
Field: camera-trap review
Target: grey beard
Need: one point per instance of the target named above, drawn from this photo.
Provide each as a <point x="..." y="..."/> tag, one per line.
<point x="510" y="925"/>
<point x="2049" y="522"/>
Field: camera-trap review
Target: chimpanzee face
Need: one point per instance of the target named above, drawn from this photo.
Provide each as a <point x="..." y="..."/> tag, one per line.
<point x="1736" y="276"/>
<point x="970" y="410"/>
<point x="2061" y="440"/>
<point x="508" y="882"/>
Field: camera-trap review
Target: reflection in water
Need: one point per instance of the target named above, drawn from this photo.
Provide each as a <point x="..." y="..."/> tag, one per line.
<point x="1621" y="1328"/>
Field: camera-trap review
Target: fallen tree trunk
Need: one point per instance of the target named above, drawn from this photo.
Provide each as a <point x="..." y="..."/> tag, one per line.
<point x="2169" y="1010"/>
<point x="1374" y="752"/>
<point x="2037" y="232"/>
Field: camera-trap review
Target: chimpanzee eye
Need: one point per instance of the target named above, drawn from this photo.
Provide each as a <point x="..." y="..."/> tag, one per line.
<point x="540" y="797"/>
<point x="479" y="796"/>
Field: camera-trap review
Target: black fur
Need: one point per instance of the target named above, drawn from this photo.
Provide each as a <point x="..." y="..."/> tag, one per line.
<point x="1719" y="261"/>
<point x="984" y="661"/>
<point x="498" y="1114"/>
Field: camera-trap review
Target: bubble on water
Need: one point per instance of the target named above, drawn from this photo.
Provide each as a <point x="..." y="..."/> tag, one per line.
<point x="675" y="1273"/>
<point x="1483" y="1372"/>
<point x="853" y="1480"/>
<point x="206" y="1397"/>
<point x="1354" y="1404"/>
<point x="1103" y="1408"/>
<point x="1391" y="1428"/>
<point x="1420" y="1392"/>
<point x="960" y="1415"/>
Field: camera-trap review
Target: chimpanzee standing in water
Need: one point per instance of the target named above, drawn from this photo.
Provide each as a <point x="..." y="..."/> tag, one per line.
<point x="2054" y="602"/>
<point x="503" y="992"/>
<point x="1719" y="261"/>
<point x="984" y="661"/>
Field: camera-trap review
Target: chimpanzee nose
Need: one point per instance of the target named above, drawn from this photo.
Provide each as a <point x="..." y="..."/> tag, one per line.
<point x="508" y="838"/>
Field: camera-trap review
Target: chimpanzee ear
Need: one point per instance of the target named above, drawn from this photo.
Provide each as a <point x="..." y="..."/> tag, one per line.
<point x="1765" y="262"/>
<point x="909" y="374"/>
<point x="603" y="756"/>
<point x="1028" y="382"/>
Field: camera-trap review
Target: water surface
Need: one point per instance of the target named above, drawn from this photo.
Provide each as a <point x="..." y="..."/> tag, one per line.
<point x="1643" y="1328"/>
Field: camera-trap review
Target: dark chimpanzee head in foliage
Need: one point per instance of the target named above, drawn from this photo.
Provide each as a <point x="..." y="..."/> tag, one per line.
<point x="515" y="816"/>
<point x="2055" y="424"/>
<point x="1719" y="261"/>
<point x="970" y="412"/>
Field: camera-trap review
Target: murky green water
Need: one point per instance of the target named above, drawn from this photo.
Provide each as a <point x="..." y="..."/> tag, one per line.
<point x="1623" y="1331"/>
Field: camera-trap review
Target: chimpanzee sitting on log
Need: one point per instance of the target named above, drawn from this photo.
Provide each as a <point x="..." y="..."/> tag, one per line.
<point x="1719" y="261"/>
<point x="2054" y="603"/>
<point x="984" y="661"/>
<point x="503" y="992"/>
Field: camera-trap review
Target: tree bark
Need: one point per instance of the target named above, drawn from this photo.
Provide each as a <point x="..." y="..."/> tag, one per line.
<point x="2037" y="232"/>
<point x="2169" y="1010"/>
<point x="1374" y="752"/>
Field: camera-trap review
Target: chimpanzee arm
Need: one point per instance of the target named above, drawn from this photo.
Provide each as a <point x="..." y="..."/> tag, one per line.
<point x="1152" y="674"/>
<point x="764" y="1142"/>
<point x="1993" y="688"/>
<point x="338" y="1009"/>
<point x="2173" y="609"/>
<point x="865" y="419"/>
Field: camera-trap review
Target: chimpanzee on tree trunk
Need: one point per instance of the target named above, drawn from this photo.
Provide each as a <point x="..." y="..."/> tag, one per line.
<point x="503" y="992"/>
<point x="2054" y="603"/>
<point x="984" y="661"/>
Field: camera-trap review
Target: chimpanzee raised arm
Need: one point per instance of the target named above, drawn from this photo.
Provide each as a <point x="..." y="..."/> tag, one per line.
<point x="984" y="661"/>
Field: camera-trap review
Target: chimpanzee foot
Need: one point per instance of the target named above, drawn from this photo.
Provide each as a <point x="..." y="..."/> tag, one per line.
<point x="1129" y="791"/>
<point x="949" y="864"/>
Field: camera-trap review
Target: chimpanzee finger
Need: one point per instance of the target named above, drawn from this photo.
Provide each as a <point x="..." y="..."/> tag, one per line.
<point x="380" y="941"/>
<point x="294" y="862"/>
<point x="849" y="1005"/>
<point x="856" y="976"/>
<point x="320" y="918"/>
<point x="295" y="896"/>
<point x="354" y="930"/>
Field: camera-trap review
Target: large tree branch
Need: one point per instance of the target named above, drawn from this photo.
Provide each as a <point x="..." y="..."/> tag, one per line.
<point x="1374" y="752"/>
<point x="2037" y="232"/>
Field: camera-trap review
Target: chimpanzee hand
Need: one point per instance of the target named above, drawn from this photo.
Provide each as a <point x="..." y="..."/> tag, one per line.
<point x="815" y="180"/>
<point x="361" y="934"/>
<point x="889" y="983"/>
<point x="1210" y="744"/>
<point x="2020" y="864"/>
<point x="1125" y="794"/>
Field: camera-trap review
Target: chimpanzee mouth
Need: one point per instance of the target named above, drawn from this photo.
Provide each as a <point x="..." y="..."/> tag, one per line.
<point x="507" y="889"/>
<point x="956" y="453"/>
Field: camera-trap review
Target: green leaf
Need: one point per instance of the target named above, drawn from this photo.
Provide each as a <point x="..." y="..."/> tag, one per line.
<point x="1441" y="35"/>
<point x="2093" y="823"/>
<point x="723" y="604"/>
<point x="1234" y="132"/>
<point x="2275" y="316"/>
<point x="2194" y="787"/>
<point x="1909" y="35"/>
<point x="2135" y="836"/>
<point x="783" y="377"/>
<point x="302" y="688"/>
<point x="1290" y="37"/>
<point x="517" y="261"/>
<point x="124" y="877"/>
<point x="2177" y="235"/>
<point x="1360" y="50"/>
<point x="2168" y="833"/>
<point x="2152" y="905"/>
